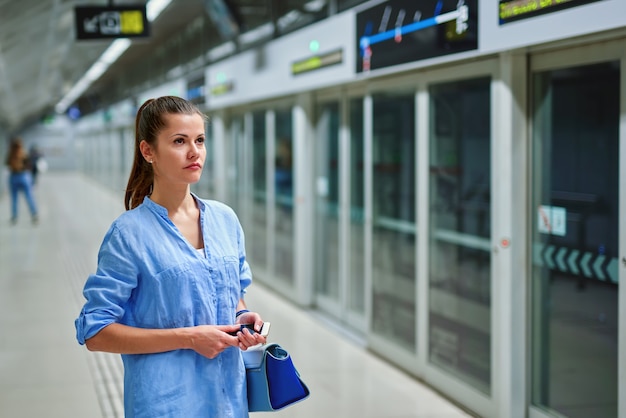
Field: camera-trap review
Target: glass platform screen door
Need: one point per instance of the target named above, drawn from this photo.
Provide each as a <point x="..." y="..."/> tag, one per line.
<point x="577" y="99"/>
<point x="339" y="221"/>
<point x="460" y="258"/>
<point x="457" y="159"/>
<point x="327" y="250"/>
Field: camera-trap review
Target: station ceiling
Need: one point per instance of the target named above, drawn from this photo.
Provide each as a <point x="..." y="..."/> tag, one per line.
<point x="41" y="59"/>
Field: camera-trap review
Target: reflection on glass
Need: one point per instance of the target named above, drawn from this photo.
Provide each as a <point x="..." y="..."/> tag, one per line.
<point x="327" y="201"/>
<point x="393" y="240"/>
<point x="575" y="241"/>
<point x="283" y="203"/>
<point x="356" y="297"/>
<point x="256" y="233"/>
<point x="459" y="231"/>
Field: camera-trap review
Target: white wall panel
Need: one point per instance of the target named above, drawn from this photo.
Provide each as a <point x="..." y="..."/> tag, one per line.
<point x="576" y="21"/>
<point x="265" y="71"/>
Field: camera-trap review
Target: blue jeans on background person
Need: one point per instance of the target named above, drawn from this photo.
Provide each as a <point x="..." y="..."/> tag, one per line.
<point x="22" y="182"/>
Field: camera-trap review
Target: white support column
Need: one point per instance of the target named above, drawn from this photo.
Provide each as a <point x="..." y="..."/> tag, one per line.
<point x="368" y="124"/>
<point x="270" y="153"/>
<point x="304" y="199"/>
<point x="344" y="208"/>
<point x="509" y="272"/>
<point x="422" y="150"/>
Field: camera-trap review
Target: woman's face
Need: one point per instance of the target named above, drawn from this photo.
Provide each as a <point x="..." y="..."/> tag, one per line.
<point x="179" y="155"/>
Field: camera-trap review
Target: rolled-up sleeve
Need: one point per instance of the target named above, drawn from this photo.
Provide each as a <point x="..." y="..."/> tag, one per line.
<point x="245" y="274"/>
<point x="109" y="289"/>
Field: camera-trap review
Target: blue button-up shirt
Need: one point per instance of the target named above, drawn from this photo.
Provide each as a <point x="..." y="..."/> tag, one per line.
<point x="150" y="276"/>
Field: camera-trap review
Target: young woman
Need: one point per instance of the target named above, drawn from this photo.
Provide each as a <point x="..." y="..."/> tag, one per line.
<point x="20" y="179"/>
<point x="172" y="273"/>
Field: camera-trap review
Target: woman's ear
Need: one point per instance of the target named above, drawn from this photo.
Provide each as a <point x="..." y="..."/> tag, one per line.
<point x="146" y="151"/>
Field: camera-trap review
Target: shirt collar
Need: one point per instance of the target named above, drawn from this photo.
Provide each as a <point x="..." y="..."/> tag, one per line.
<point x="162" y="211"/>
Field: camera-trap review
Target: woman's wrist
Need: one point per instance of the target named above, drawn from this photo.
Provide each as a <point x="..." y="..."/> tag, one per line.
<point x="241" y="312"/>
<point x="186" y="337"/>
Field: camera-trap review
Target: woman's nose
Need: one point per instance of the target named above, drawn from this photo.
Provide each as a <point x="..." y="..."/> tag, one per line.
<point x="193" y="150"/>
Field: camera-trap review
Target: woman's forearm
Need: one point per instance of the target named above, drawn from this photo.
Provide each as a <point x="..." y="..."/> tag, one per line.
<point x="123" y="339"/>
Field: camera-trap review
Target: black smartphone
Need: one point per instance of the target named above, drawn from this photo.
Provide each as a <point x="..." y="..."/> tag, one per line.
<point x="265" y="329"/>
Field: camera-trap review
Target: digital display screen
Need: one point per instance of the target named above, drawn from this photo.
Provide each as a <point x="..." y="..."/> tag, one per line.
<point x="513" y="10"/>
<point x="401" y="31"/>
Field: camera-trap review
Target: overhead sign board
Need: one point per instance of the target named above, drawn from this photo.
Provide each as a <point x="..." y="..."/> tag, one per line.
<point x="401" y="31"/>
<point x="111" y="22"/>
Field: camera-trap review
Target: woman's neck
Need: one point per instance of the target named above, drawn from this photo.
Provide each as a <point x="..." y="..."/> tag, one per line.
<point x="173" y="199"/>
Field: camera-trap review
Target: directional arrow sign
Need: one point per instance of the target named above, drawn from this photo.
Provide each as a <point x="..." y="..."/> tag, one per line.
<point x="597" y="267"/>
<point x="91" y="25"/>
<point x="566" y="259"/>
<point x="584" y="265"/>
<point x="571" y="262"/>
<point x="560" y="259"/>
<point x="611" y="268"/>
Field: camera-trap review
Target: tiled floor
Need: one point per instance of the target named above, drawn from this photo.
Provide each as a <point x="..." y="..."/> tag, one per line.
<point x="45" y="373"/>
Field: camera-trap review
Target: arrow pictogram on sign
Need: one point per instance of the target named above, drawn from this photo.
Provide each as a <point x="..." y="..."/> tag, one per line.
<point x="597" y="267"/>
<point x="573" y="261"/>
<point x="560" y="259"/>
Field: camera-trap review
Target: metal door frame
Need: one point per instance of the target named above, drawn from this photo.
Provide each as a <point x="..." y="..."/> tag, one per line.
<point x="578" y="56"/>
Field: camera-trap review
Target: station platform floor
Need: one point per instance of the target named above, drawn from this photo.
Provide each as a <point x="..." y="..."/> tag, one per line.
<point x="44" y="372"/>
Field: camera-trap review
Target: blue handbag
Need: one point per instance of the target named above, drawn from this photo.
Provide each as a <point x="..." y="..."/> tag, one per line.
<point x="272" y="379"/>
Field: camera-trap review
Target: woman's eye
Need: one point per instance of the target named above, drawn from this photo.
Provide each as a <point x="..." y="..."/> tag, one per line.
<point x="179" y="141"/>
<point x="200" y="140"/>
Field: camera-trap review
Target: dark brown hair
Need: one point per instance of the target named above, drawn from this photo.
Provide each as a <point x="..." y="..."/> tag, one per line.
<point x="148" y="124"/>
<point x="16" y="159"/>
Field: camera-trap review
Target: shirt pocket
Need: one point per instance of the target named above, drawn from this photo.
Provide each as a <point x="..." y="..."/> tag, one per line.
<point x="166" y="299"/>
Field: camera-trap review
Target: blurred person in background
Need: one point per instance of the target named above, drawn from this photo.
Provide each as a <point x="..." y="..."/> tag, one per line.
<point x="168" y="292"/>
<point x="36" y="162"/>
<point x="20" y="179"/>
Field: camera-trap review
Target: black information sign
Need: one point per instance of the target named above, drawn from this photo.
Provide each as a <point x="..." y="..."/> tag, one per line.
<point x="111" y="22"/>
<point x="401" y="31"/>
<point x="512" y="10"/>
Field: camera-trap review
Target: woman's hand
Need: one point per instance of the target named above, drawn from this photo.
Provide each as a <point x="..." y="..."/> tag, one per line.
<point x="211" y="340"/>
<point x="248" y="339"/>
